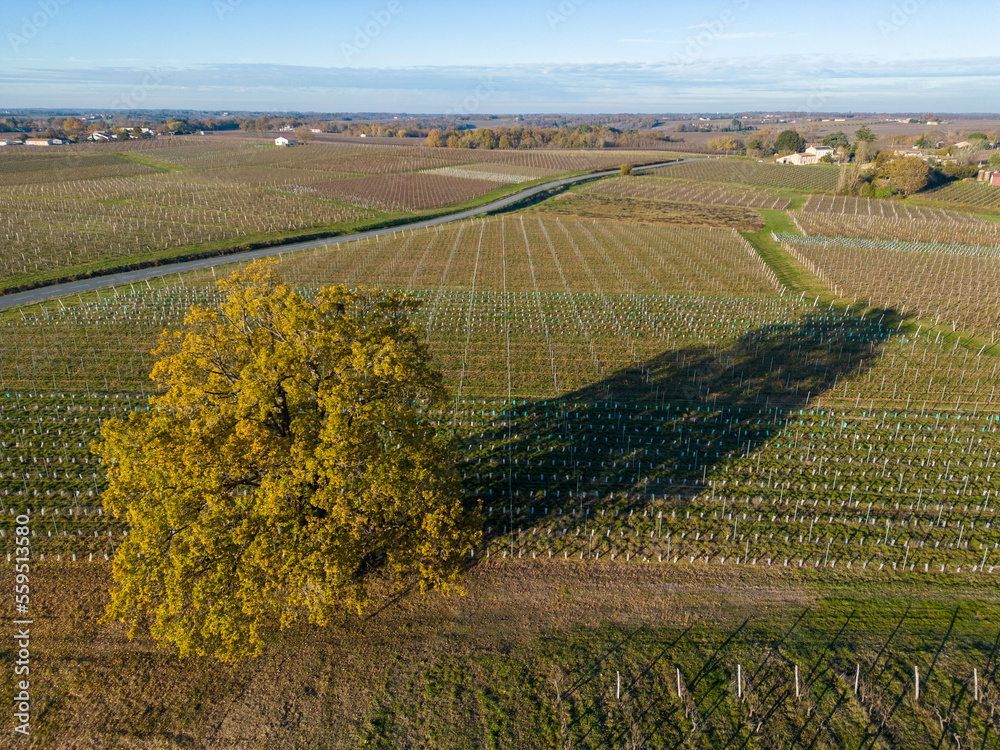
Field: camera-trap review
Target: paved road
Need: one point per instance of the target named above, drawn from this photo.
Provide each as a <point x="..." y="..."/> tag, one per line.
<point x="99" y="282"/>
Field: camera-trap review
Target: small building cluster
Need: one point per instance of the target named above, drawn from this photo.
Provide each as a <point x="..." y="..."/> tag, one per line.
<point x="36" y="142"/>
<point x="989" y="178"/>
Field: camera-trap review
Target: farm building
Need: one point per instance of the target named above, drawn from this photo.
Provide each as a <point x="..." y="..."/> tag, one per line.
<point x="44" y="142"/>
<point x="282" y="141"/>
<point x="798" y="159"/>
<point x="902" y="151"/>
<point x="995" y="179"/>
<point x="10" y="143"/>
<point x="820" y="151"/>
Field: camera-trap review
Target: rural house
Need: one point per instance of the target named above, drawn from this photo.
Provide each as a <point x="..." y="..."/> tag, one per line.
<point x="798" y="159"/>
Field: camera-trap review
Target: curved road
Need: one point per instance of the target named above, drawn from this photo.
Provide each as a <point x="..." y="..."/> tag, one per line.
<point x="41" y="294"/>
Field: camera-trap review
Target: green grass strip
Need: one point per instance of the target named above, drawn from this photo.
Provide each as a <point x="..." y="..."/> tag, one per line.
<point x="793" y="275"/>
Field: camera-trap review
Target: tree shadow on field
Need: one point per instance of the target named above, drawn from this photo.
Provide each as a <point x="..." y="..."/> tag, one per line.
<point x="658" y="429"/>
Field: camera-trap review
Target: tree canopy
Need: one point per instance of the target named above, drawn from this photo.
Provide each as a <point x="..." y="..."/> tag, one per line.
<point x="908" y="174"/>
<point x="288" y="470"/>
<point x="789" y="141"/>
<point x="864" y="133"/>
<point x="836" y="140"/>
<point x="724" y="143"/>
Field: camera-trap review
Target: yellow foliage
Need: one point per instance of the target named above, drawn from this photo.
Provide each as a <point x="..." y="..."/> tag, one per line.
<point x="288" y="466"/>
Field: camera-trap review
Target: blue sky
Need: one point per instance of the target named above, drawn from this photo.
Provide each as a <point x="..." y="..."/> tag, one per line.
<point x="511" y="57"/>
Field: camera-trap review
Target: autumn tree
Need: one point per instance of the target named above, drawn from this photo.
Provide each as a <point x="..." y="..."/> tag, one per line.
<point x="724" y="143"/>
<point x="625" y="170"/>
<point x="304" y="134"/>
<point x="865" y="151"/>
<point x="850" y="179"/>
<point x="434" y="139"/>
<point x="73" y="125"/>
<point x="288" y="471"/>
<point x="908" y="174"/>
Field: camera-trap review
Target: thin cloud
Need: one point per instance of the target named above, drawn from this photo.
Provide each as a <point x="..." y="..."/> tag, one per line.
<point x="796" y="82"/>
<point x="753" y="35"/>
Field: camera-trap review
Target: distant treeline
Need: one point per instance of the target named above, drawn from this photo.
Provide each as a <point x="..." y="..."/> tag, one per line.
<point x="584" y="136"/>
<point x="462" y="135"/>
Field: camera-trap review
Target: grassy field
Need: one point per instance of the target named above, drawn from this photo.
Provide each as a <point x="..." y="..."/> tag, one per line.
<point x="532" y="657"/>
<point x="704" y="457"/>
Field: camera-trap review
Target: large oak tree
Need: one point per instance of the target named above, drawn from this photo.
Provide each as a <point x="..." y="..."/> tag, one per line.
<point x="288" y="469"/>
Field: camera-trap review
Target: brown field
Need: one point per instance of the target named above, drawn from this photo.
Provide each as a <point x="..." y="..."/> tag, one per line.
<point x="649" y="211"/>
<point x="92" y="203"/>
<point x="685" y="191"/>
<point x="906" y="224"/>
<point x="404" y="192"/>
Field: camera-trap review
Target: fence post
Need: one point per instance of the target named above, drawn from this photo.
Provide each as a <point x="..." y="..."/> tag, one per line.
<point x="916" y="683"/>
